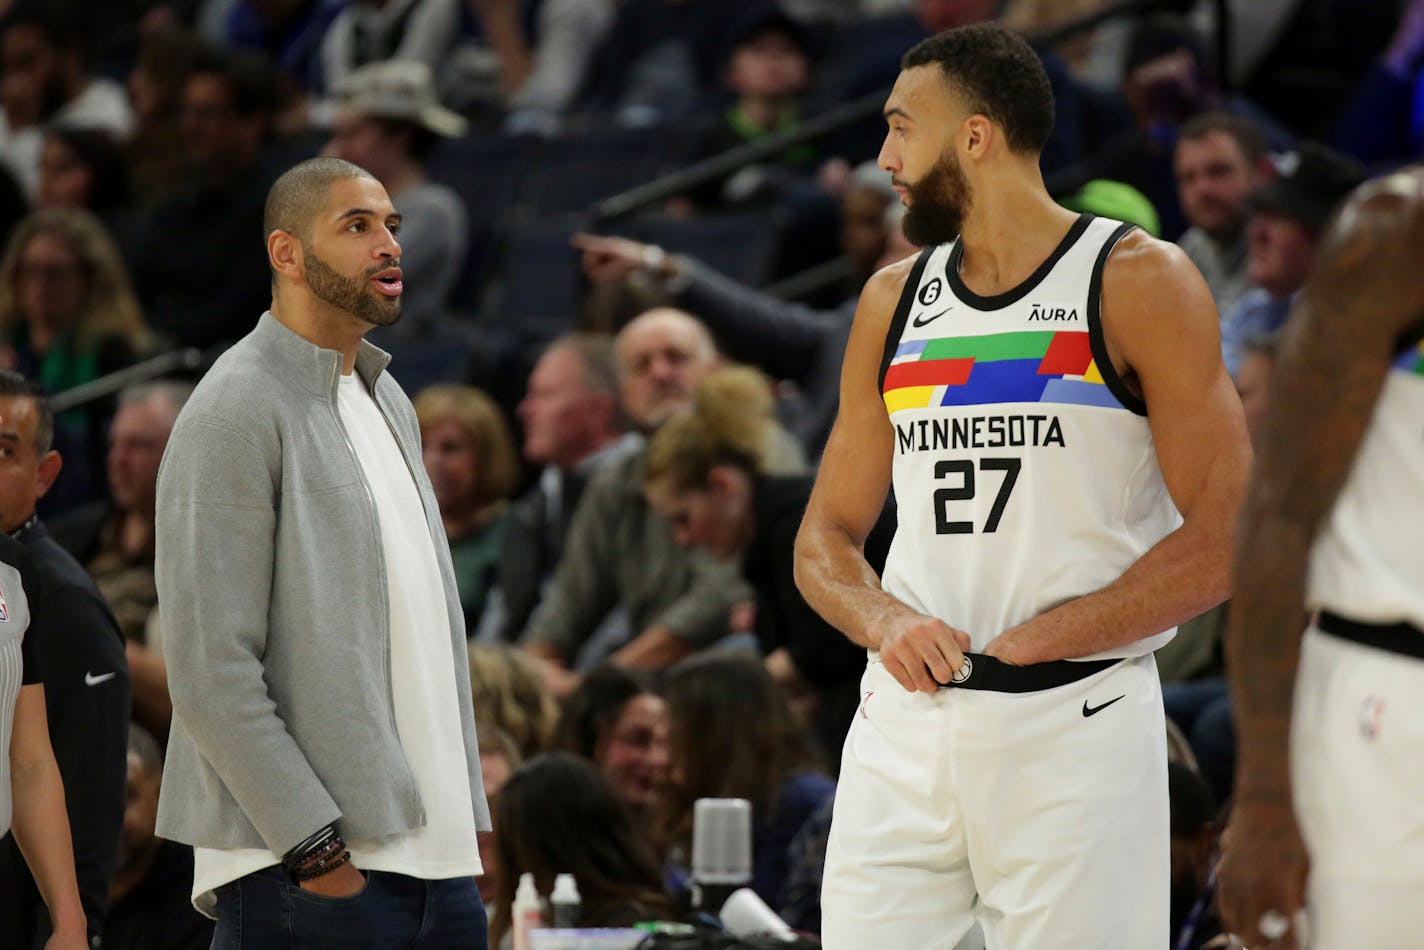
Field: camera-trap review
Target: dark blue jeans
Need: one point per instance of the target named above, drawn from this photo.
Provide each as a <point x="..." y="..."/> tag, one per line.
<point x="265" y="910"/>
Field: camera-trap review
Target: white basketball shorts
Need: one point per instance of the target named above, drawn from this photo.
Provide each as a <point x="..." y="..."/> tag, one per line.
<point x="1042" y="815"/>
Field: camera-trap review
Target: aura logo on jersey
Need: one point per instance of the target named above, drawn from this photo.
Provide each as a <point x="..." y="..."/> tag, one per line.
<point x="1052" y="313"/>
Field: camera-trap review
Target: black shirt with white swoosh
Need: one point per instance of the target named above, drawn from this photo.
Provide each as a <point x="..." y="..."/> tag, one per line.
<point x="79" y="653"/>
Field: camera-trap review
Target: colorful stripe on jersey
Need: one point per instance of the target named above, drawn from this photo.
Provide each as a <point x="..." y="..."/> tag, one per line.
<point x="1026" y="366"/>
<point x="1410" y="361"/>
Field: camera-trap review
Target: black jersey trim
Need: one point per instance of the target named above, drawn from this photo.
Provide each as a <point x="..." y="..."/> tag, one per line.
<point x="902" y="313"/>
<point x="1130" y="400"/>
<point x="1015" y="294"/>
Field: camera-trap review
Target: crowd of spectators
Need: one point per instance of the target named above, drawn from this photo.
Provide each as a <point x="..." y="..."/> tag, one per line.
<point x="619" y="494"/>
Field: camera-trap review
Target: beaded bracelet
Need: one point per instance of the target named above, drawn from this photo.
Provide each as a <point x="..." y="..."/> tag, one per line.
<point x="315" y="853"/>
<point x="322" y="864"/>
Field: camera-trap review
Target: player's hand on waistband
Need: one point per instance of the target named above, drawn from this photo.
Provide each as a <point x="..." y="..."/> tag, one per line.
<point x="921" y="652"/>
<point x="1262" y="875"/>
<point x="1009" y="647"/>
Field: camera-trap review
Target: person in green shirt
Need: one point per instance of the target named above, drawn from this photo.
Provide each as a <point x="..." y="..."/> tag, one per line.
<point x="68" y="316"/>
<point x="474" y="469"/>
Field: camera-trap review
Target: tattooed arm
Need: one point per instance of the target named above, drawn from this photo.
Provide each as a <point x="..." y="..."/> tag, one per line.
<point x="1366" y="290"/>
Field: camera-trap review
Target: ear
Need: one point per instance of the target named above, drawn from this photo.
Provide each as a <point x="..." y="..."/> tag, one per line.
<point x="723" y="480"/>
<point x="977" y="135"/>
<point x="48" y="470"/>
<point x="284" y="253"/>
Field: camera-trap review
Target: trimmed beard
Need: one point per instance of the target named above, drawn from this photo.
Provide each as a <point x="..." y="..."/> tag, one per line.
<point x="350" y="294"/>
<point x="938" y="203"/>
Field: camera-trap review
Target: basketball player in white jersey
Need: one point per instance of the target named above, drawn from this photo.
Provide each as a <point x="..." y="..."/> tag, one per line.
<point x="1045" y="392"/>
<point x="1333" y="544"/>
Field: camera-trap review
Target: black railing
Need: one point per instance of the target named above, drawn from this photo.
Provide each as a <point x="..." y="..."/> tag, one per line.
<point x="186" y="360"/>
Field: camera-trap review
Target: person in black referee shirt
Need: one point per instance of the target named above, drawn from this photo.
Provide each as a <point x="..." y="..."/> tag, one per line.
<point x="31" y="793"/>
<point x="79" y="657"/>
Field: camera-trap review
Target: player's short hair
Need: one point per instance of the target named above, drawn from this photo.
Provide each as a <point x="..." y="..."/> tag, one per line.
<point x="15" y="386"/>
<point x="301" y="192"/>
<point x="1245" y="133"/>
<point x="998" y="75"/>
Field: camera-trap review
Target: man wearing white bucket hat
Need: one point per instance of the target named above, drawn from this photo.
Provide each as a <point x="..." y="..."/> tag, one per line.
<point x="388" y="118"/>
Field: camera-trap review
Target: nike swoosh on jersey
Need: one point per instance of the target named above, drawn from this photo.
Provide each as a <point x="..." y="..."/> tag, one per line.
<point x="1094" y="710"/>
<point x="921" y="321"/>
<point x="91" y="680"/>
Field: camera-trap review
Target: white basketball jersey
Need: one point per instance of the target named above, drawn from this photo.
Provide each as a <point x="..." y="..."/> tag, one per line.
<point x="1368" y="563"/>
<point x="1025" y="473"/>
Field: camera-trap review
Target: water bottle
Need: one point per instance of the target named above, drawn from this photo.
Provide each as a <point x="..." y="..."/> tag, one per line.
<point x="564" y="901"/>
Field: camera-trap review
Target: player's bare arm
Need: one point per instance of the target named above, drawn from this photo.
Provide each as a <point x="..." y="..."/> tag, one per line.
<point x="1161" y="329"/>
<point x="920" y="652"/>
<point x="1366" y="291"/>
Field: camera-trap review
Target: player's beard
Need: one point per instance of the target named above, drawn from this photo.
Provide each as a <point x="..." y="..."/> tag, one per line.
<point x="938" y="203"/>
<point x="352" y="295"/>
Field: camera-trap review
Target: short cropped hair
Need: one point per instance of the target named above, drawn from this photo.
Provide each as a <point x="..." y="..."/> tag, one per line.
<point x="999" y="76"/>
<point x="597" y="359"/>
<point x="1245" y="133"/>
<point x="15" y="386"/>
<point x="174" y="393"/>
<point x="301" y="192"/>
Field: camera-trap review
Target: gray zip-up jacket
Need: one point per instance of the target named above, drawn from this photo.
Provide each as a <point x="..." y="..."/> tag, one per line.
<point x="276" y="623"/>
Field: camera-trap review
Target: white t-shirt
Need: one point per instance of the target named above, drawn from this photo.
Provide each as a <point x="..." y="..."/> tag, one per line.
<point x="426" y="703"/>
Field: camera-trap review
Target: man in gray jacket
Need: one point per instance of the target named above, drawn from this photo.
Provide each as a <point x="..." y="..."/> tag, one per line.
<point x="322" y="761"/>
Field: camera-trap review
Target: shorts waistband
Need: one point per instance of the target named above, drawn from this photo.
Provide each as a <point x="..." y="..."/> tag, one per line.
<point x="981" y="671"/>
<point x="1402" y="638"/>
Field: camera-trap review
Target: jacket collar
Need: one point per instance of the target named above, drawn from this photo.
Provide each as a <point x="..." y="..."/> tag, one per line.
<point x="317" y="369"/>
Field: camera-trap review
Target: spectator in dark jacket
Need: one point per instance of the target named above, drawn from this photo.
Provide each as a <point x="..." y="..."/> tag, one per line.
<point x="1382" y="124"/>
<point x="788" y="340"/>
<point x="196" y="255"/>
<point x="572" y="427"/>
<point x="766" y="68"/>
